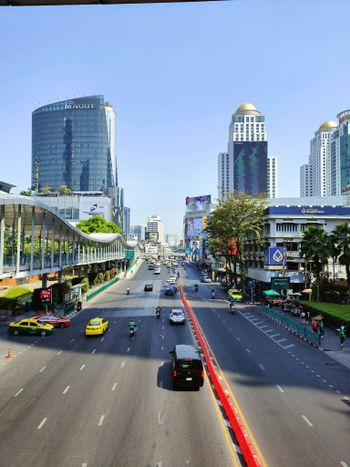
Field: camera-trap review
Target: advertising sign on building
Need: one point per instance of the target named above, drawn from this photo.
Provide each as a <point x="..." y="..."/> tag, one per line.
<point x="198" y="203"/>
<point x="275" y="256"/>
<point x="95" y="205"/>
<point x="45" y="295"/>
<point x="194" y="227"/>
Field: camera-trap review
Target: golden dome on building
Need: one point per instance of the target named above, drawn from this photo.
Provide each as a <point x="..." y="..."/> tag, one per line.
<point x="328" y="125"/>
<point x="247" y="108"/>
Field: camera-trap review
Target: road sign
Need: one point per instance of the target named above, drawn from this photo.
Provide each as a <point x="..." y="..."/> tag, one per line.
<point x="129" y="254"/>
<point x="280" y="283"/>
<point x="45" y="295"/>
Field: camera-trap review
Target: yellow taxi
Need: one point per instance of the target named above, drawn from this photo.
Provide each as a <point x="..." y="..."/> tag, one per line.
<point x="235" y="295"/>
<point x="96" y="327"/>
<point x="30" y="327"/>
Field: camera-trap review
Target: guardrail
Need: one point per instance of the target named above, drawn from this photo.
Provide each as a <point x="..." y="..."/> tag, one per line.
<point x="299" y="329"/>
<point x="95" y="292"/>
<point x="240" y="432"/>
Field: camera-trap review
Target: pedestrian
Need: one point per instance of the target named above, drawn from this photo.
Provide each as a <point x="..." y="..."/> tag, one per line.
<point x="307" y="317"/>
<point x="321" y="328"/>
<point x="341" y="335"/>
<point x="314" y="326"/>
<point x="302" y="317"/>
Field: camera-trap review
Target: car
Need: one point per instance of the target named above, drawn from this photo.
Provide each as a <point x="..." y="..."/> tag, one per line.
<point x="157" y="271"/>
<point x="205" y="279"/>
<point x="170" y="290"/>
<point x="177" y="316"/>
<point x="187" y="366"/>
<point x="235" y="295"/>
<point x="148" y="288"/>
<point x="56" y="321"/>
<point x="172" y="279"/>
<point x="31" y="327"/>
<point x="96" y="327"/>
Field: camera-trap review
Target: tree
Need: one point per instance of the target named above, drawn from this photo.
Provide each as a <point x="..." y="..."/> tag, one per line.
<point x="316" y="248"/>
<point x="98" y="224"/>
<point x="27" y="192"/>
<point x="64" y="190"/>
<point x="341" y="235"/>
<point x="334" y="251"/>
<point x="46" y="189"/>
<point x="229" y="226"/>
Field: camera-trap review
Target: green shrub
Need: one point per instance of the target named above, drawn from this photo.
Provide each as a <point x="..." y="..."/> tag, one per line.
<point x="107" y="276"/>
<point x="334" y="314"/>
<point x="85" y="285"/>
<point x="17" y="292"/>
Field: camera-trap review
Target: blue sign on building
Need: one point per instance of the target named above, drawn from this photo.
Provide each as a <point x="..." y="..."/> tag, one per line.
<point x="275" y="256"/>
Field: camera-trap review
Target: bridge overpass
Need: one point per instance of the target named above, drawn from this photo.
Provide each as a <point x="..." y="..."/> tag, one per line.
<point x="35" y="240"/>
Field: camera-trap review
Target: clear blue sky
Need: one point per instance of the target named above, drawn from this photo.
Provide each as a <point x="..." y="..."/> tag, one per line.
<point x="175" y="73"/>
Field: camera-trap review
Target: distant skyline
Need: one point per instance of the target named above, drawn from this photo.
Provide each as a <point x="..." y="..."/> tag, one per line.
<point x="175" y="73"/>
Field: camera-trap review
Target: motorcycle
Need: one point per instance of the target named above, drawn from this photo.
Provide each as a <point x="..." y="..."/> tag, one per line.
<point x="232" y="308"/>
<point x="196" y="288"/>
<point x="158" y="312"/>
<point x="212" y="294"/>
<point x="127" y="291"/>
<point x="131" y="332"/>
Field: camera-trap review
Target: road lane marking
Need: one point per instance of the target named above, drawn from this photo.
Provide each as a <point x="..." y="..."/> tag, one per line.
<point x="346" y="398"/>
<point x="248" y="350"/>
<point x="275" y="335"/>
<point x="279" y="388"/>
<point x="19" y="392"/>
<point x="261" y="366"/>
<point x="162" y="347"/>
<point x="43" y="421"/>
<point x="281" y="340"/>
<point x="84" y="464"/>
<point x="238" y="339"/>
<point x="42" y="369"/>
<point x="128" y="349"/>
<point x="343" y="464"/>
<point x="229" y="329"/>
<point x="318" y="376"/>
<point x="289" y="347"/>
<point x="82" y="367"/>
<point x="66" y="390"/>
<point x="72" y="340"/>
<point x="102" y="339"/>
<point x="337" y="391"/>
<point x="114" y="386"/>
<point x="307" y="421"/>
<point x="331" y="386"/>
<point x="93" y="351"/>
<point x="122" y="365"/>
<point x="159" y="418"/>
<point x="324" y="380"/>
<point x="59" y="353"/>
<point x="101" y="420"/>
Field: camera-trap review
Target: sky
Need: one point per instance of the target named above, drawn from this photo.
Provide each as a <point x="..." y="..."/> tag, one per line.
<point x="175" y="74"/>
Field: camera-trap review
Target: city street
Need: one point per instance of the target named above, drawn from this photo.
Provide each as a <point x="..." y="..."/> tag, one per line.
<point x="294" y="397"/>
<point x="67" y="400"/>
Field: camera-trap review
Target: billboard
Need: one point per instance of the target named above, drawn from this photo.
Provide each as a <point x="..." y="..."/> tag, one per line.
<point x="198" y="203"/>
<point x="275" y="256"/>
<point x="250" y="166"/>
<point x="94" y="205"/>
<point x="194" y="227"/>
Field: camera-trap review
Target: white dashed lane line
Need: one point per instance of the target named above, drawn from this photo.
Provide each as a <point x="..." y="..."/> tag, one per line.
<point x="82" y="367"/>
<point x="42" y="369"/>
<point x="66" y="390"/>
<point x="101" y="420"/>
<point x="279" y="388"/>
<point x="114" y="386"/>
<point x="307" y="421"/>
<point x="42" y="423"/>
<point x="262" y="366"/>
<point x="248" y="350"/>
<point x="122" y="365"/>
<point x="72" y="340"/>
<point x="19" y="392"/>
<point x="59" y="353"/>
<point x="93" y="351"/>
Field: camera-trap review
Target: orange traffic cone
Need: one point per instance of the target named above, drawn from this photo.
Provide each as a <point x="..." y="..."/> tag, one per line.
<point x="9" y="353"/>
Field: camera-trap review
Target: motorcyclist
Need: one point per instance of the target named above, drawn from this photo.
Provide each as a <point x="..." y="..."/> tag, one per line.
<point x="232" y="307"/>
<point x="196" y="287"/>
<point x="158" y="310"/>
<point x="212" y="293"/>
<point x="127" y="290"/>
<point x="132" y="325"/>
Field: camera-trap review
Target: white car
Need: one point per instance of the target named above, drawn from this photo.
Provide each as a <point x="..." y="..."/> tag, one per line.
<point x="177" y="316"/>
<point x="172" y="279"/>
<point x="157" y="271"/>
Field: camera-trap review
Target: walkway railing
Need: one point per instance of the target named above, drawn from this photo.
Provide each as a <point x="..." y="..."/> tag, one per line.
<point x="292" y="325"/>
<point x="95" y="292"/>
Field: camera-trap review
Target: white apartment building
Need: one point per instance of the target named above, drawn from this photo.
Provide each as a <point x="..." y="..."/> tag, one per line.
<point x="225" y="180"/>
<point x="272" y="176"/>
<point x="305" y="180"/>
<point x="154" y="229"/>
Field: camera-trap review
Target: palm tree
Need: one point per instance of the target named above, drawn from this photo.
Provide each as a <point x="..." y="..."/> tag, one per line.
<point x="342" y="238"/>
<point x="316" y="248"/>
<point x="335" y="251"/>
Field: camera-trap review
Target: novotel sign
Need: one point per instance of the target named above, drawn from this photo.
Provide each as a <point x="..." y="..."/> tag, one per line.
<point x="79" y="106"/>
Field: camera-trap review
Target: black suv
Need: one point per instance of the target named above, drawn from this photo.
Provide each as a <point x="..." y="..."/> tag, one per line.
<point x="148" y="287"/>
<point x="187" y="366"/>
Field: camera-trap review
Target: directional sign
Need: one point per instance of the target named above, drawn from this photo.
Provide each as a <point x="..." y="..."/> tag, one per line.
<point x="129" y="254"/>
<point x="280" y="283"/>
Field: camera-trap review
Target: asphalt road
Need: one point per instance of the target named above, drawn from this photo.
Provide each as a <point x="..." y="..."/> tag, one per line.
<point x="295" y="399"/>
<point x="68" y="400"/>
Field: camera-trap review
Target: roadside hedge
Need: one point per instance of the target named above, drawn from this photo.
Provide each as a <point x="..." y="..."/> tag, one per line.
<point x="334" y="313"/>
<point x="15" y="298"/>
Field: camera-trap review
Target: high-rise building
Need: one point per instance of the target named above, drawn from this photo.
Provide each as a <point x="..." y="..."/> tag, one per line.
<point x="126" y="221"/>
<point x="172" y="239"/>
<point x="154" y="229"/>
<point x="318" y="158"/>
<point x="225" y="180"/>
<point x="245" y="167"/>
<point x="272" y="176"/>
<point x="306" y="180"/>
<point x="139" y="231"/>
<point x="339" y="156"/>
<point x="247" y="150"/>
<point x="73" y="144"/>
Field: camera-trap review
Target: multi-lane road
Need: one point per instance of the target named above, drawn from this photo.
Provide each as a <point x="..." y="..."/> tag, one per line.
<point x="67" y="400"/>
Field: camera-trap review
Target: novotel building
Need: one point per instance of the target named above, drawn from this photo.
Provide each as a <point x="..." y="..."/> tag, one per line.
<point x="278" y="255"/>
<point x="73" y="144"/>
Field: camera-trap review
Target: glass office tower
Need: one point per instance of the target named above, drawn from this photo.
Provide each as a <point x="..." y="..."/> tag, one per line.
<point x="73" y="144"/>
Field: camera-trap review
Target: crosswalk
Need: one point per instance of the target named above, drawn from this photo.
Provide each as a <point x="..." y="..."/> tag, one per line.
<point x="268" y="330"/>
